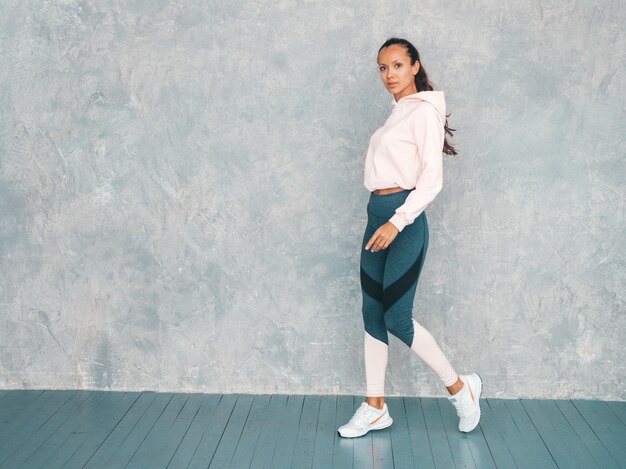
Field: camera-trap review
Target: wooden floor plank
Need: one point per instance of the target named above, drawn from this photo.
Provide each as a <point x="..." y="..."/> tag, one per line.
<point x="418" y="434"/>
<point x="326" y="433"/>
<point x="402" y="453"/>
<point x="266" y="444"/>
<point x="156" y="444"/>
<point x="540" y="453"/>
<point x="36" y="409"/>
<point x="18" y="402"/>
<point x="460" y="443"/>
<point x="554" y="434"/>
<point x="307" y="433"/>
<point x="255" y="424"/>
<point x="517" y="439"/>
<point x="13" y="432"/>
<point x="168" y="431"/>
<point x="343" y="451"/>
<point x="586" y="435"/>
<point x="619" y="408"/>
<point x="381" y="451"/>
<point x="177" y="431"/>
<point x="566" y="432"/>
<point x="461" y="452"/>
<point x="84" y="440"/>
<point x="45" y="443"/>
<point x="475" y="440"/>
<point x="156" y="439"/>
<point x="226" y="447"/>
<point x="112" y="443"/>
<point x="94" y="429"/>
<point x="207" y="445"/>
<point x="363" y="447"/>
<point x="496" y="442"/>
<point x="363" y="451"/>
<point x="512" y="438"/>
<point x="205" y="417"/>
<point x="125" y="452"/>
<point x="606" y="425"/>
<point x="287" y="433"/>
<point x="439" y="445"/>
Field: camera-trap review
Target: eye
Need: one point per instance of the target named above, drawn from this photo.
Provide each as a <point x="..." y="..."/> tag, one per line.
<point x="399" y="65"/>
<point x="381" y="68"/>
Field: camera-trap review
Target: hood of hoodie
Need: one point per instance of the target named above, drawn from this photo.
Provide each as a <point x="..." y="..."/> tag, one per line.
<point x="436" y="98"/>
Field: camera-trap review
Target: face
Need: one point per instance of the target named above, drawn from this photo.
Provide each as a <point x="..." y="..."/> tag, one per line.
<point x="396" y="71"/>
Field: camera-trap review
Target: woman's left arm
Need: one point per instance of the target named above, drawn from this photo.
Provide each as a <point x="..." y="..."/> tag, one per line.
<point x="428" y="131"/>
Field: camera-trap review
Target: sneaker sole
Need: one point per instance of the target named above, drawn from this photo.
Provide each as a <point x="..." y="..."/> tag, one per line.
<point x="381" y="427"/>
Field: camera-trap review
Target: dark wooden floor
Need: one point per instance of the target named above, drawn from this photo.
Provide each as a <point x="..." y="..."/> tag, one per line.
<point x="149" y="430"/>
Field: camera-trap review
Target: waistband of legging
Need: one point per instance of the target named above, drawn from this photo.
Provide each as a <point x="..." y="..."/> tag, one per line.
<point x="384" y="205"/>
<point x="398" y="194"/>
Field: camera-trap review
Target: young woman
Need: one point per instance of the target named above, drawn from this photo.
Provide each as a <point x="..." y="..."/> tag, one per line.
<point x="403" y="172"/>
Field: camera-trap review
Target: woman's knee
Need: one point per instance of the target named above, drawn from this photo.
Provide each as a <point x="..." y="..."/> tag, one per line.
<point x="400" y="326"/>
<point x="374" y="323"/>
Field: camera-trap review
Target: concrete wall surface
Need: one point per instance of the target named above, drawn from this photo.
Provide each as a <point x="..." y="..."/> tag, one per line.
<point x="182" y="200"/>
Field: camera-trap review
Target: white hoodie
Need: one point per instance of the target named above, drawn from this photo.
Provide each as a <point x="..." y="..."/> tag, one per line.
<point x="407" y="152"/>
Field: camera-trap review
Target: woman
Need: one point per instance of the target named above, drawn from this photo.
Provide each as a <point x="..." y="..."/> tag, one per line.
<point x="403" y="172"/>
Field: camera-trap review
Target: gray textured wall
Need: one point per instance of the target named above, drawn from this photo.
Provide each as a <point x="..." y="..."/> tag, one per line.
<point x="181" y="198"/>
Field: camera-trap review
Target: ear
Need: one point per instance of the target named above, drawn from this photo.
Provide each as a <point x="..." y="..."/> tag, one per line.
<point x="415" y="67"/>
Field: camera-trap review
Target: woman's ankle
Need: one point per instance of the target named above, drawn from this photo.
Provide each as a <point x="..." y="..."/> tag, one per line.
<point x="456" y="387"/>
<point x="377" y="402"/>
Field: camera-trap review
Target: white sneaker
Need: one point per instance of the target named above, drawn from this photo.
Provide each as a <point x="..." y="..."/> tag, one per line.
<point x="366" y="418"/>
<point x="466" y="402"/>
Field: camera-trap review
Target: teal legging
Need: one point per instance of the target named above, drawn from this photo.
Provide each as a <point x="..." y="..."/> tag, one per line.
<point x="389" y="276"/>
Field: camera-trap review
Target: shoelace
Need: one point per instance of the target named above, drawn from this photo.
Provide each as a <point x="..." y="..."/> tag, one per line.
<point x="464" y="407"/>
<point x="361" y="417"/>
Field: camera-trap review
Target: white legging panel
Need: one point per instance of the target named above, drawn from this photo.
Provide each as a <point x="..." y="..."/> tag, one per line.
<point x="426" y="347"/>
<point x="375" y="365"/>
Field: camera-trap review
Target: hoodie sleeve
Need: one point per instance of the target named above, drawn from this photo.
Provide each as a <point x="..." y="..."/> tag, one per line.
<point x="429" y="136"/>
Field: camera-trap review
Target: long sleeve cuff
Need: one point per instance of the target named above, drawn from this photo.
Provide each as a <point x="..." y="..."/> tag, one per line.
<point x="398" y="222"/>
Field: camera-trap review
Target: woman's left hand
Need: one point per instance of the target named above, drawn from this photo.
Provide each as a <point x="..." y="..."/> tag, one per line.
<point x="382" y="237"/>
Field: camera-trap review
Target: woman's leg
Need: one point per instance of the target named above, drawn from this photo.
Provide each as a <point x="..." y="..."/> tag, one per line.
<point x="402" y="270"/>
<point x="426" y="347"/>
<point x="376" y="341"/>
<point x="376" y="353"/>
<point x="369" y="416"/>
<point x="403" y="267"/>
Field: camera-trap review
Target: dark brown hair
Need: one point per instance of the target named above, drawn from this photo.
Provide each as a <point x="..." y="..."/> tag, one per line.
<point x="422" y="83"/>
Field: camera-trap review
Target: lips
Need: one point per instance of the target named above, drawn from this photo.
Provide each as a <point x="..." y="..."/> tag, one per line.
<point x="392" y="84"/>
